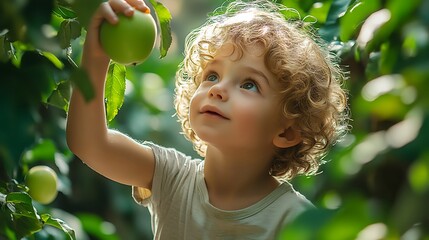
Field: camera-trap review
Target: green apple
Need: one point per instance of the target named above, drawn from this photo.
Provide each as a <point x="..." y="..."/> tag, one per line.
<point x="42" y="184"/>
<point x="131" y="40"/>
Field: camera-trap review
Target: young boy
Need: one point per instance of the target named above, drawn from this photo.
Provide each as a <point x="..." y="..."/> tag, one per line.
<point x="259" y="99"/>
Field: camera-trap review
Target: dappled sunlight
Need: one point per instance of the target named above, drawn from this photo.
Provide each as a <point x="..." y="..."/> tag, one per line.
<point x="155" y="93"/>
<point x="369" y="148"/>
<point x="405" y="131"/>
<point x="372" y="23"/>
<point x="382" y="85"/>
<point x="374" y="231"/>
<point x="332" y="200"/>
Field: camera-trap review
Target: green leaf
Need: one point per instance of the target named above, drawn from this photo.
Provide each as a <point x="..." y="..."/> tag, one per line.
<point x="64" y="10"/>
<point x="400" y="12"/>
<point x="59" y="224"/>
<point x="320" y="11"/>
<point x="355" y="16"/>
<point x="60" y="97"/>
<point x="38" y="74"/>
<point x="20" y="198"/>
<point x="330" y="30"/>
<point x="54" y="59"/>
<point x="6" y="49"/>
<point x="114" y="91"/>
<point x="24" y="217"/>
<point x="81" y="79"/>
<point x="294" y="10"/>
<point x="96" y="226"/>
<point x="69" y="29"/>
<point x="164" y="19"/>
<point x="84" y="10"/>
<point x="44" y="150"/>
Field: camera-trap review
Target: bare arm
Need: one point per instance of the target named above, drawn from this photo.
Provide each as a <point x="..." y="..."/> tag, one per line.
<point x="110" y="153"/>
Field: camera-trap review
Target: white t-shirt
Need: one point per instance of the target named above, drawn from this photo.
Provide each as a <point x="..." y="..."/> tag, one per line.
<point x="180" y="207"/>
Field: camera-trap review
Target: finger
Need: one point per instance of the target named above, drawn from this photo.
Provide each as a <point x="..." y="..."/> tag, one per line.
<point x="139" y="5"/>
<point x="106" y="12"/>
<point x="121" y="7"/>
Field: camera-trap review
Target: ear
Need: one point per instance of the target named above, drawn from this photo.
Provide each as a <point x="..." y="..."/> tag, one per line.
<point x="287" y="137"/>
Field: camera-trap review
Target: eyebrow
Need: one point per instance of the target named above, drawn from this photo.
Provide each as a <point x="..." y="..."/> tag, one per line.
<point x="247" y="68"/>
<point x="259" y="73"/>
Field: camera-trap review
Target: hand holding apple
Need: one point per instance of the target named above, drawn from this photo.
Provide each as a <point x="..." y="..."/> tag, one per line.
<point x="131" y="40"/>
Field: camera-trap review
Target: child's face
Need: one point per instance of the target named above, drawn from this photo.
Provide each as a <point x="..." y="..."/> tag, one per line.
<point x="237" y="102"/>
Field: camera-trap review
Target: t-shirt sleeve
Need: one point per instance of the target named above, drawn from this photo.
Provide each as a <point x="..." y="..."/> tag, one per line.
<point x="171" y="168"/>
<point x="299" y="204"/>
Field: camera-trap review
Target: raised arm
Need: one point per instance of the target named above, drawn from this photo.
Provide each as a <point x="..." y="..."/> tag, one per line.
<point x="110" y="153"/>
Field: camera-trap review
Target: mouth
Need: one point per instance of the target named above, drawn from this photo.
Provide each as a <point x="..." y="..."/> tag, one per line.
<point x="212" y="111"/>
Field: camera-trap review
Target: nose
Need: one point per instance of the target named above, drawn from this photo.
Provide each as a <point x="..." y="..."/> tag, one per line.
<point x="218" y="91"/>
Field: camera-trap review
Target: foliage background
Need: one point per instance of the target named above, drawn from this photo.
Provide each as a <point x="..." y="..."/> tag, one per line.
<point x="375" y="184"/>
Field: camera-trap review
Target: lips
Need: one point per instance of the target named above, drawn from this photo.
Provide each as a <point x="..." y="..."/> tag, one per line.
<point x="213" y="111"/>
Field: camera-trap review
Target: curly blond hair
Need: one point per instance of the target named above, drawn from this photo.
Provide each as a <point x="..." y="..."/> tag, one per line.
<point x="309" y="77"/>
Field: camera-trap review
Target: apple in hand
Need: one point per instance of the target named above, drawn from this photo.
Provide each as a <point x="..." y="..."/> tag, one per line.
<point x="42" y="184"/>
<point x="131" y="40"/>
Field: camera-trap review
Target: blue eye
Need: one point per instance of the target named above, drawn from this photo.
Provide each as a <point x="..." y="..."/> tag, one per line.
<point x="212" y="77"/>
<point x="250" y="85"/>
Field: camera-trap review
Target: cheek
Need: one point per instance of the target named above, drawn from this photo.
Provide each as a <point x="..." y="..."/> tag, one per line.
<point x="194" y="105"/>
<point x="247" y="115"/>
<point x="254" y="119"/>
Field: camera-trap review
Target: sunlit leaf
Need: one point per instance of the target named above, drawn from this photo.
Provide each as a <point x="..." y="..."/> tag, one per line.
<point x="355" y="16"/>
<point x="164" y="19"/>
<point x="114" y="91"/>
<point x="293" y="10"/>
<point x="320" y="11"/>
<point x="54" y="59"/>
<point x="400" y="11"/>
<point x="44" y="150"/>
<point x="292" y="4"/>
<point x="60" y="97"/>
<point x="64" y="10"/>
<point x="59" y="224"/>
<point x="21" y="198"/>
<point x="25" y="220"/>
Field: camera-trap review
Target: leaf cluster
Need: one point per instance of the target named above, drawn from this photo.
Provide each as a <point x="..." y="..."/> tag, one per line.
<point x="40" y="48"/>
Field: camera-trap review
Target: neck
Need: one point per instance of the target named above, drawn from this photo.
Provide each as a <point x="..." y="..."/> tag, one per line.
<point x="237" y="179"/>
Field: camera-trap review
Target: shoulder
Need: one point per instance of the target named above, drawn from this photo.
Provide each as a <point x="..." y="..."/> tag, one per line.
<point x="173" y="170"/>
<point x="294" y="203"/>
